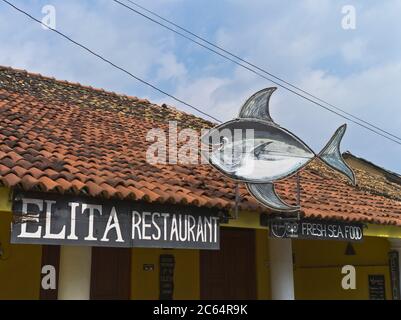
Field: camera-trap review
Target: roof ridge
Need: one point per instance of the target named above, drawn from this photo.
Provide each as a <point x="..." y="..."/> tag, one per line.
<point x="39" y="75"/>
<point x="379" y="167"/>
<point x="101" y="90"/>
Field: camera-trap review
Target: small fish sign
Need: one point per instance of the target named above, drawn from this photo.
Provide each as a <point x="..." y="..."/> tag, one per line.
<point x="255" y="150"/>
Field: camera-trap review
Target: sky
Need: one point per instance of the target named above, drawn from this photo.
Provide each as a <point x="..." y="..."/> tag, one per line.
<point x="304" y="42"/>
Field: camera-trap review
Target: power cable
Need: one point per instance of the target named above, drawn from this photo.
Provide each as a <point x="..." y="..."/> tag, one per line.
<point x="112" y="63"/>
<point x="172" y="96"/>
<point x="256" y="67"/>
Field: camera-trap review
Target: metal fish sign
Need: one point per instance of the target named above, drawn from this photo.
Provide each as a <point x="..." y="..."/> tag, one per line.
<point x="268" y="153"/>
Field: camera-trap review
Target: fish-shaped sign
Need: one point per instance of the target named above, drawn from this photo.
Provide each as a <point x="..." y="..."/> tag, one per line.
<point x="267" y="153"/>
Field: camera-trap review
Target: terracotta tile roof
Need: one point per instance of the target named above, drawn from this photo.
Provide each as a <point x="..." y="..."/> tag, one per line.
<point x="57" y="136"/>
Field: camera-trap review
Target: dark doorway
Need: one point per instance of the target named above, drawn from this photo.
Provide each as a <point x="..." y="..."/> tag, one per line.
<point x="230" y="273"/>
<point x="111" y="273"/>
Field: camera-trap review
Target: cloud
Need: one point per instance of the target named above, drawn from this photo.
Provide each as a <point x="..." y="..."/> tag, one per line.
<point x="354" y="51"/>
<point x="342" y="67"/>
<point x="170" y="68"/>
<point x="302" y="42"/>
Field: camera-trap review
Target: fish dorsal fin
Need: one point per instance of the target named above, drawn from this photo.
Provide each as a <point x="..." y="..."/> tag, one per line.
<point x="257" y="106"/>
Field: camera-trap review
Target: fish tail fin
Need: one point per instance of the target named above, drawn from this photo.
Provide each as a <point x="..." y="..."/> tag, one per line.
<point x="331" y="155"/>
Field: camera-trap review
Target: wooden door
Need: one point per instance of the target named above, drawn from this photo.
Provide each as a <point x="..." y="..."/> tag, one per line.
<point x="111" y="273"/>
<point x="230" y="273"/>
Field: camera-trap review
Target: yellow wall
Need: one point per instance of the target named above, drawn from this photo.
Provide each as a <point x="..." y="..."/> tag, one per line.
<point x="262" y="265"/>
<point x="245" y="219"/>
<point x="20" y="271"/>
<point x="382" y="231"/>
<point x="317" y="264"/>
<point x="20" y="264"/>
<point x="318" y="267"/>
<point x="5" y="203"/>
<point x="325" y="283"/>
<point x="145" y="284"/>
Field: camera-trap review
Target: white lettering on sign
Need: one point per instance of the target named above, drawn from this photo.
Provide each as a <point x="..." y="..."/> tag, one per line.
<point x="191" y="227"/>
<point x="183" y="237"/>
<point x="112" y="224"/>
<point x="315" y="229"/>
<point x="181" y="227"/>
<point x="92" y="208"/>
<point x="33" y="217"/>
<point x="165" y="216"/>
<point x="331" y="231"/>
<point x="174" y="228"/>
<point x="73" y="206"/>
<point x="48" y="234"/>
<point x="199" y="234"/>
<point x="136" y="222"/>
<point x="156" y="225"/>
<point x="145" y="225"/>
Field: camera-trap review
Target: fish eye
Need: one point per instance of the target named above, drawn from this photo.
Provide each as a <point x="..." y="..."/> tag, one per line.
<point x="223" y="141"/>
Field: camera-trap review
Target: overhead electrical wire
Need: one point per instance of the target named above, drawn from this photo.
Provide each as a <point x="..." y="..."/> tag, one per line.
<point x="170" y="95"/>
<point x="255" y="66"/>
<point x="248" y="66"/>
<point x="113" y="64"/>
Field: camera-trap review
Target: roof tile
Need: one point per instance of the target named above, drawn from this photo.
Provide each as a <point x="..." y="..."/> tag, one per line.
<point x="63" y="137"/>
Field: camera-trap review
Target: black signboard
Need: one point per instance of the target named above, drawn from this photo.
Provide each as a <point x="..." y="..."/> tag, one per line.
<point x="394" y="274"/>
<point x="72" y="220"/>
<point x="315" y="229"/>
<point x="377" y="288"/>
<point x="166" y="277"/>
